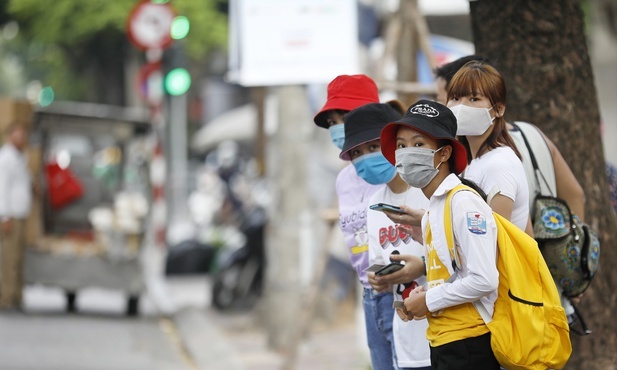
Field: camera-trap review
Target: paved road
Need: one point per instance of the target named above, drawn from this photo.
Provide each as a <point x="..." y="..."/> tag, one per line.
<point x="196" y="337"/>
<point x="86" y="342"/>
<point x="44" y="337"/>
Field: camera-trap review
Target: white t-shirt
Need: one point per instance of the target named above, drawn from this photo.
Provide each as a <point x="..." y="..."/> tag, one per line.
<point x="15" y="183"/>
<point x="412" y="347"/>
<point x="501" y="170"/>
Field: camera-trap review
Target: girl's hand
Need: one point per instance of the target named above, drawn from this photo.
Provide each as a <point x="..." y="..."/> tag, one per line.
<point x="378" y="285"/>
<point x="415" y="304"/>
<point x="411" y="217"/>
<point x="403" y="314"/>
<point x="413" y="269"/>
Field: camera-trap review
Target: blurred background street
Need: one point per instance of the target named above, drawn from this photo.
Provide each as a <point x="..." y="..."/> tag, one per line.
<point x="183" y="201"/>
<point x="197" y="336"/>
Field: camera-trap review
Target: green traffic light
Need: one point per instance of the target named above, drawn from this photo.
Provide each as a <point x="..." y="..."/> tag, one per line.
<point x="180" y="27"/>
<point x="177" y="81"/>
<point x="46" y="96"/>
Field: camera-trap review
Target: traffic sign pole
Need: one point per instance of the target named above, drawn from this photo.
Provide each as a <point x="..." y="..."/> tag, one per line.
<point x="148" y="28"/>
<point x="178" y="150"/>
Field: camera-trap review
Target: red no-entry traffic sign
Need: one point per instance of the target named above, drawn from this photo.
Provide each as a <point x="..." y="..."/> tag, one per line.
<point x="149" y="25"/>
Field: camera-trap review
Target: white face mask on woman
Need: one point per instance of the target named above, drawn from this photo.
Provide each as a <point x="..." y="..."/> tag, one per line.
<point x="415" y="165"/>
<point x="471" y="120"/>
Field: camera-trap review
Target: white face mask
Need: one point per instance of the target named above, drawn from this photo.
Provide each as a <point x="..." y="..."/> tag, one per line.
<point x="471" y="120"/>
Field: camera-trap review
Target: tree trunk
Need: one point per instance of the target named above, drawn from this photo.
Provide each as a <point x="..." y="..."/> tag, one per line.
<point x="540" y="48"/>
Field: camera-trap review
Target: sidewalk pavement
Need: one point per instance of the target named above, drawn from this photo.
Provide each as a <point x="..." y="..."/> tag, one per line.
<point x="195" y="337"/>
<point x="238" y="341"/>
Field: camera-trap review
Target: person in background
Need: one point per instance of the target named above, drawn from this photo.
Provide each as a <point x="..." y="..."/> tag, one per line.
<point x="427" y="156"/>
<point x="566" y="186"/>
<point x="560" y="180"/>
<point x="345" y="93"/>
<point x="477" y="98"/>
<point x="362" y="147"/>
<point x="444" y="74"/>
<point x="15" y="201"/>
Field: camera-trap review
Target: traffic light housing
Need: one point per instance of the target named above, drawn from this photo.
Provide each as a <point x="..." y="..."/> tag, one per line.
<point x="177" y="79"/>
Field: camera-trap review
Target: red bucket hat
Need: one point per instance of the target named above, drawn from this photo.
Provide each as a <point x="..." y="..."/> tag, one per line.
<point x="347" y="92"/>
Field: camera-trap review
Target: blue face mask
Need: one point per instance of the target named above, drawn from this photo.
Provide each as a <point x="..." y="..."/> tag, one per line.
<point x="374" y="168"/>
<point x="337" y="133"/>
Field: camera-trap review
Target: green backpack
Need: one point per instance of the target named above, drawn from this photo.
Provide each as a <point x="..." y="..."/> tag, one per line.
<point x="529" y="328"/>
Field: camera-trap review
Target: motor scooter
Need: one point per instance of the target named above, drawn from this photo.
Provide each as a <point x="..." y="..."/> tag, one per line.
<point x="238" y="278"/>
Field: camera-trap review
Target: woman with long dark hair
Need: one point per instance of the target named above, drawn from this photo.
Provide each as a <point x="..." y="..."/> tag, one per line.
<point x="477" y="97"/>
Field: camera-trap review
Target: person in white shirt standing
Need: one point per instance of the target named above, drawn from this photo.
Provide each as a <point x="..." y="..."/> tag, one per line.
<point x="15" y="202"/>
<point x="477" y="98"/>
<point x="427" y="156"/>
<point x="385" y="241"/>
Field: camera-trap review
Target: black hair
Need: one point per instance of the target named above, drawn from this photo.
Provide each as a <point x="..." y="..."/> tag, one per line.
<point x="397" y="105"/>
<point x="448" y="70"/>
<point x="474" y="186"/>
<point x="471" y="184"/>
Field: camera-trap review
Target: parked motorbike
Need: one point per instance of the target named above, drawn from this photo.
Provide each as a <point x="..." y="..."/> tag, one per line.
<point x="238" y="280"/>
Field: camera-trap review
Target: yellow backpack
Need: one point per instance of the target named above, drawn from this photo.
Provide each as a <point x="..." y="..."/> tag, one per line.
<point x="529" y="328"/>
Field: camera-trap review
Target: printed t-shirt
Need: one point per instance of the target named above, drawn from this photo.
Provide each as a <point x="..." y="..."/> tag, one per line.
<point x="412" y="348"/>
<point x="353" y="200"/>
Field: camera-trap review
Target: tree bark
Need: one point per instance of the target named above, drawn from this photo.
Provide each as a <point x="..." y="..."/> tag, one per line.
<point x="541" y="50"/>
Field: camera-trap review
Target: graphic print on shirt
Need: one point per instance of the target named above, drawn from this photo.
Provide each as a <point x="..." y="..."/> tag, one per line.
<point x="361" y="237"/>
<point x="352" y="217"/>
<point x="392" y="235"/>
<point x="404" y="289"/>
<point x="476" y="223"/>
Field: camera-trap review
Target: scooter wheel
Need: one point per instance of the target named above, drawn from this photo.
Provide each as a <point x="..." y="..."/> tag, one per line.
<point x="224" y="294"/>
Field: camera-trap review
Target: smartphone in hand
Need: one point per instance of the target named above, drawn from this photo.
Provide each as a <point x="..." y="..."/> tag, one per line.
<point x="388" y="269"/>
<point x="386" y="207"/>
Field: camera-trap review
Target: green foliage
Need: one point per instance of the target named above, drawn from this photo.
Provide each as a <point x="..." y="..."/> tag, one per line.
<point x="208" y="26"/>
<point x="68" y="22"/>
<point x="11" y="71"/>
<point x="71" y="22"/>
<point x="70" y="44"/>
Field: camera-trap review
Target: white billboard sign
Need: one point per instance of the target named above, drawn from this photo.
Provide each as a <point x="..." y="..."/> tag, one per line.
<point x="290" y="42"/>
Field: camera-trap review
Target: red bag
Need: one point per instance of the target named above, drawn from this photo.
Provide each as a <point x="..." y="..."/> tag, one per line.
<point x="63" y="187"/>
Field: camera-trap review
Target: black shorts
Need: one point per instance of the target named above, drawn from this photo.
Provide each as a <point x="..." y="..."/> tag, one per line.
<point x="465" y="354"/>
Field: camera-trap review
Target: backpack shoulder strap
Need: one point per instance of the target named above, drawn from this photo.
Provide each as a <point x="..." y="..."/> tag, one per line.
<point x="534" y="163"/>
<point x="447" y="222"/>
<point x="450" y="241"/>
<point x="523" y="127"/>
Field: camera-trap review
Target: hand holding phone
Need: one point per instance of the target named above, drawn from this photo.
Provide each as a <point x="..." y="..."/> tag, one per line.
<point x="392" y="267"/>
